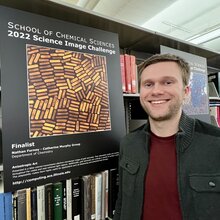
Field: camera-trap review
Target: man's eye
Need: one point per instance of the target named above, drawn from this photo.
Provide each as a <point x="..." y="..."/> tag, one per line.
<point x="168" y="82"/>
<point x="148" y="84"/>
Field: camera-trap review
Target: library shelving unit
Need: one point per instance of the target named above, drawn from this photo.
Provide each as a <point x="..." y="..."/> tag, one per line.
<point x="131" y="37"/>
<point x="138" y="41"/>
<point x="134" y="39"/>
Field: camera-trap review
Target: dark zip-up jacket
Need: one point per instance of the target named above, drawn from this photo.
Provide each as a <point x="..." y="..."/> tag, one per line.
<point x="198" y="170"/>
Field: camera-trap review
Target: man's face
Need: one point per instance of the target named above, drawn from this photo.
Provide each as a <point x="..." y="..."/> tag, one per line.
<point x="162" y="91"/>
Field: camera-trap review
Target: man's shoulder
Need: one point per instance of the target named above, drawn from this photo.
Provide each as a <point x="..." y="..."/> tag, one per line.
<point x="138" y="134"/>
<point x="206" y="128"/>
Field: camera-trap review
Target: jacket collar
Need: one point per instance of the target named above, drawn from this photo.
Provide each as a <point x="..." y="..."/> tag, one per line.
<point x="185" y="133"/>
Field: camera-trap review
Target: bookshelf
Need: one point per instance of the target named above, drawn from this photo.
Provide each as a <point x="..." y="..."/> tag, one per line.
<point x="212" y="98"/>
<point x="136" y="95"/>
<point x="141" y="41"/>
<point x="135" y="40"/>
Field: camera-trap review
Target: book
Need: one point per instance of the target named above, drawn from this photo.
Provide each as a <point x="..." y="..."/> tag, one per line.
<point x="98" y="196"/>
<point x="34" y="203"/>
<point x="215" y="115"/>
<point x="41" y="202"/>
<point x="123" y="76"/>
<point x="58" y="200"/>
<point x="128" y="72"/>
<point x="212" y="90"/>
<point x="93" y="205"/>
<point x="215" y="78"/>
<point x="2" y="207"/>
<point x="49" y="201"/>
<point x="106" y="174"/>
<point x="76" y="198"/>
<point x="15" y="205"/>
<point x="113" y="191"/>
<point x="86" y="197"/>
<point x="28" y="204"/>
<point x="64" y="200"/>
<point x="21" y="207"/>
<point x="69" y="199"/>
<point x="134" y="78"/>
<point x="104" y="213"/>
<point x="8" y="205"/>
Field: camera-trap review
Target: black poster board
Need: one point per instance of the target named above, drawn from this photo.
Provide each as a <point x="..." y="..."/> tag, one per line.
<point x="62" y="103"/>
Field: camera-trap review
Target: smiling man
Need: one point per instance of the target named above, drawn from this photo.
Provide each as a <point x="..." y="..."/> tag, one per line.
<point x="162" y="91"/>
<point x="169" y="169"/>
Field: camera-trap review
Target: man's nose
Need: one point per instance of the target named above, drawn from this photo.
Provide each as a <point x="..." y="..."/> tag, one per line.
<point x="157" y="89"/>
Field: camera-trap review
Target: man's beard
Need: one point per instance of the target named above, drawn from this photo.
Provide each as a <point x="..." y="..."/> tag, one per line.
<point x="173" y="110"/>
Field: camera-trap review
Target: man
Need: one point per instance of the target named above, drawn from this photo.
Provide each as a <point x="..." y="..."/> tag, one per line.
<point x="169" y="169"/>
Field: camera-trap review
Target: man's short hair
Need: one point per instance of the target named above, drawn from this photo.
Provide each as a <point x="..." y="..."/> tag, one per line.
<point x="157" y="58"/>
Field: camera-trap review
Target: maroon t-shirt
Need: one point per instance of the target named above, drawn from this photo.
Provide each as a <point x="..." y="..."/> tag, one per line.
<point x="161" y="199"/>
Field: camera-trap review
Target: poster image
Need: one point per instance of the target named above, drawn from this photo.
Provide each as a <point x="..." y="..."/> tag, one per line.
<point x="68" y="92"/>
<point x="197" y="99"/>
<point x="62" y="101"/>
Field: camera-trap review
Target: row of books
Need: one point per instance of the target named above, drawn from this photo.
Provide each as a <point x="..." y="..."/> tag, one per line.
<point x="129" y="73"/>
<point x="82" y="198"/>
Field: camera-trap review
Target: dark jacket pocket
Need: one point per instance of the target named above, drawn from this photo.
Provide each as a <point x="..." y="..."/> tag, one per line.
<point x="129" y="173"/>
<point x="206" y="195"/>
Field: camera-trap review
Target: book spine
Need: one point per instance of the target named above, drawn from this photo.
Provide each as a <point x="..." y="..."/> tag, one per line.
<point x="76" y="198"/>
<point x="69" y="198"/>
<point x="106" y="174"/>
<point x="215" y="78"/>
<point x="128" y="72"/>
<point x="218" y="115"/>
<point x="98" y="196"/>
<point x="2" y="207"/>
<point x="41" y="202"/>
<point x="15" y="205"/>
<point x="49" y="201"/>
<point x="34" y="203"/>
<point x="86" y="197"/>
<point x="133" y="74"/>
<point x="93" y="214"/>
<point x="58" y="201"/>
<point x="123" y="77"/>
<point x="113" y="191"/>
<point x="103" y="194"/>
<point x="28" y="204"/>
<point x="64" y="200"/>
<point x="8" y="206"/>
<point x="218" y="85"/>
<point x="21" y="204"/>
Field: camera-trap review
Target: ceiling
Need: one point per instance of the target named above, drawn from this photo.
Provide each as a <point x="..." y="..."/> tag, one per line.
<point x="195" y="21"/>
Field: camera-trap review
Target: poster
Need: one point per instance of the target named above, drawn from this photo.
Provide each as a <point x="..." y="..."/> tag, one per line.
<point x="197" y="103"/>
<point x="62" y="103"/>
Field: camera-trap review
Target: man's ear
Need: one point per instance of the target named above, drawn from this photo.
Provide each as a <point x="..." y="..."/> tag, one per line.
<point x="187" y="90"/>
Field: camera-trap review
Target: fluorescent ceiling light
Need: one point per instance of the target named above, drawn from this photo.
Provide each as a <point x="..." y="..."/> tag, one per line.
<point x="199" y="39"/>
